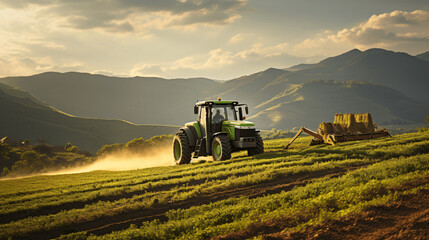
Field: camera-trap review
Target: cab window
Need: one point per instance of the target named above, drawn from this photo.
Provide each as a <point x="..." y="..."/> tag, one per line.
<point x="223" y="112"/>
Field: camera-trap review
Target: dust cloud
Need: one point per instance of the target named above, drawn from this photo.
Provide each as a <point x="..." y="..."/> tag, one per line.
<point x="124" y="160"/>
<point x="118" y="161"/>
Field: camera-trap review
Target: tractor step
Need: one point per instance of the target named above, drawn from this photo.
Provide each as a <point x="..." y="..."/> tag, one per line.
<point x="197" y="148"/>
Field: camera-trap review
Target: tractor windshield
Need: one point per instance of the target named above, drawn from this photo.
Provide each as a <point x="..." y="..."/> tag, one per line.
<point x="223" y="112"/>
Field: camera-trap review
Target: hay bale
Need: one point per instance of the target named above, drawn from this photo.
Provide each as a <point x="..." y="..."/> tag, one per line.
<point x="326" y="128"/>
<point x="364" y="123"/>
<point x="366" y="120"/>
<point x="348" y="123"/>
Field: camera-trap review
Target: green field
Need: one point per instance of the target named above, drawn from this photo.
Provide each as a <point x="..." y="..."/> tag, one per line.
<point x="278" y="191"/>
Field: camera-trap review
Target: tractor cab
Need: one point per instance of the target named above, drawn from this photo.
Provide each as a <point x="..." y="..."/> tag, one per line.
<point x="211" y="114"/>
<point x="219" y="131"/>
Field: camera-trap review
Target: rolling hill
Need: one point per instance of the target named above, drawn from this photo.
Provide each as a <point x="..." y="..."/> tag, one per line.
<point x="387" y="78"/>
<point x="321" y="99"/>
<point x="139" y="100"/>
<point x="400" y="71"/>
<point x="25" y="117"/>
<point x="424" y="56"/>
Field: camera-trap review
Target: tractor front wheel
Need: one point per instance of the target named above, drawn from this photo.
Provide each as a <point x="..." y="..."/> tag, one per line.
<point x="221" y="148"/>
<point x="181" y="150"/>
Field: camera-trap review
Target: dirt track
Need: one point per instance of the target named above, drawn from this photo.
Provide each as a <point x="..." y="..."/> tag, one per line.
<point x="406" y="218"/>
<point x="122" y="221"/>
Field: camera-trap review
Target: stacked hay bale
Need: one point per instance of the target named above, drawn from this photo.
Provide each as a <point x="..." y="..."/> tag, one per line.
<point x="346" y="124"/>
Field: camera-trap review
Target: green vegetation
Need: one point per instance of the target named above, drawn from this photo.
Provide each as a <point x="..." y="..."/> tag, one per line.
<point x="303" y="186"/>
<point x="137" y="146"/>
<point x="318" y="201"/>
<point x="25" y="159"/>
<point x="277" y="133"/>
<point x="424" y="128"/>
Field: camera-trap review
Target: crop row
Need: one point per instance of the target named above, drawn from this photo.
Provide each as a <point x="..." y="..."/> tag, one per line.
<point x="102" y="209"/>
<point x="102" y="194"/>
<point x="323" y="199"/>
<point x="159" y="176"/>
<point x="76" y="182"/>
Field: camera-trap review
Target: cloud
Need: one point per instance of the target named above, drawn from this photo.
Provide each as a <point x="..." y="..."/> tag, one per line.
<point x="222" y="64"/>
<point x="398" y="30"/>
<point x="148" y="70"/>
<point x="236" y="38"/>
<point x="388" y="28"/>
<point x="22" y="66"/>
<point x="133" y="16"/>
<point x="219" y="58"/>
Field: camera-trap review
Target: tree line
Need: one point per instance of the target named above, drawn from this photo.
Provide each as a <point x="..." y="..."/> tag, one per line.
<point x="24" y="158"/>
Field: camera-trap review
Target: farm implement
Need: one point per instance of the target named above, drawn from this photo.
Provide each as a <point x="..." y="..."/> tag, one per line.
<point x="346" y="127"/>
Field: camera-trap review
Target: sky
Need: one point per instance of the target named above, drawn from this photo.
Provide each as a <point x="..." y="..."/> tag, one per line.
<point x="217" y="39"/>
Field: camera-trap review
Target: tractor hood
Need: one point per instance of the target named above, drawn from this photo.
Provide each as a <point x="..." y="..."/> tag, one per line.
<point x="239" y="124"/>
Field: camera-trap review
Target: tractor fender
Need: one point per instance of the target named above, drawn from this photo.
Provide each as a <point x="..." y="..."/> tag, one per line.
<point x="220" y="133"/>
<point x="191" y="137"/>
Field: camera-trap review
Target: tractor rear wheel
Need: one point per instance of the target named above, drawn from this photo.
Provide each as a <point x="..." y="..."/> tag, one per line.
<point x="221" y="148"/>
<point x="259" y="146"/>
<point x="181" y="149"/>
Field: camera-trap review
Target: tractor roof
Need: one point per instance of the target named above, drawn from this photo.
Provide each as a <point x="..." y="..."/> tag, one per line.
<point x="211" y="102"/>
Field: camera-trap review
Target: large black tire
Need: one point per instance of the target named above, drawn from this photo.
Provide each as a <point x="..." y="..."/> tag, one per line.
<point x="259" y="146"/>
<point x="181" y="150"/>
<point x="221" y="148"/>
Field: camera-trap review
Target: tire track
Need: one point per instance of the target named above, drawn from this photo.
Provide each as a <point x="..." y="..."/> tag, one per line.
<point x="122" y="221"/>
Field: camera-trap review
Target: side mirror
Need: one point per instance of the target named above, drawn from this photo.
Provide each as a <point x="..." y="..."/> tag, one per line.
<point x="195" y="109"/>
<point x="247" y="110"/>
<point x="240" y="113"/>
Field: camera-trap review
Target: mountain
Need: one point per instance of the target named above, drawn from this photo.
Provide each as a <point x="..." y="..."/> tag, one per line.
<point x="424" y="56"/>
<point x="397" y="83"/>
<point x="25" y="117"/>
<point x="138" y="99"/>
<point x="308" y="103"/>
<point x="402" y="72"/>
<point x="299" y="67"/>
<point x="252" y="89"/>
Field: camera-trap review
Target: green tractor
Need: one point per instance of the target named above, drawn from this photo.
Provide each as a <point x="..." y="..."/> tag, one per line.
<point x="217" y="133"/>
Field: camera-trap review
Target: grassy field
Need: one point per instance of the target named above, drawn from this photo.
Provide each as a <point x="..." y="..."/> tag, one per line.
<point x="278" y="193"/>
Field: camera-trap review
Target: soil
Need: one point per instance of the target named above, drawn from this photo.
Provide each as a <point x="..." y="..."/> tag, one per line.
<point x="405" y="218"/>
<point x="122" y="221"/>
